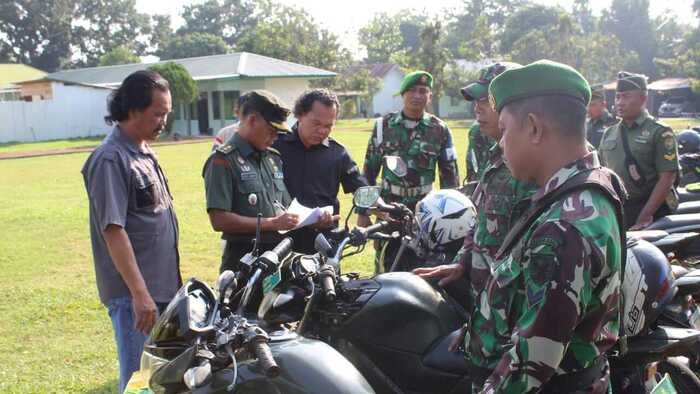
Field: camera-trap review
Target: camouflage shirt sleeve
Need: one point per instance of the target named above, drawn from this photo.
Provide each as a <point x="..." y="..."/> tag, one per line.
<point x="447" y="162"/>
<point x="556" y="277"/>
<point x="665" y="151"/>
<point x="373" y="159"/>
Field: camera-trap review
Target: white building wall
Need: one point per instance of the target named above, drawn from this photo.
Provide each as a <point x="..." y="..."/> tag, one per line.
<point x="384" y="101"/>
<point x="74" y="111"/>
<point x="287" y="89"/>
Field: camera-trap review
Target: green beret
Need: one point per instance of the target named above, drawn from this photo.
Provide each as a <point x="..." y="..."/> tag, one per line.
<point x="416" y="78"/>
<point x="627" y="81"/>
<point x="541" y="78"/>
<point x="598" y="92"/>
<point x="479" y="89"/>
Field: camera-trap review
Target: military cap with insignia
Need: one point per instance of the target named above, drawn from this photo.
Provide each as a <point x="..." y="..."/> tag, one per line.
<point x="479" y="89"/>
<point x="598" y="92"/>
<point x="627" y="81"/>
<point x="541" y="78"/>
<point x="414" y="78"/>
<point x="269" y="107"/>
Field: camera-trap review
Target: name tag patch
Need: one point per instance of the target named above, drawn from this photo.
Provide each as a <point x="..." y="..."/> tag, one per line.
<point x="247" y="176"/>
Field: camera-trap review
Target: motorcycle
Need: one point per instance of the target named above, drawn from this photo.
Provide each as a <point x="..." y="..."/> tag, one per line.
<point x="396" y="328"/>
<point x="204" y="344"/>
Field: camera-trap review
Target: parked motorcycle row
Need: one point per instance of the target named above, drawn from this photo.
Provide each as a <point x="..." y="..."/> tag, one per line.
<point x="295" y="323"/>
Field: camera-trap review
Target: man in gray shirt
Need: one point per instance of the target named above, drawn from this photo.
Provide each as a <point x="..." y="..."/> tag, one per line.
<point x="133" y="226"/>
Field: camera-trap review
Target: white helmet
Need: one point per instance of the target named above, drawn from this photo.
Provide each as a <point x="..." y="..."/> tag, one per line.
<point x="444" y="216"/>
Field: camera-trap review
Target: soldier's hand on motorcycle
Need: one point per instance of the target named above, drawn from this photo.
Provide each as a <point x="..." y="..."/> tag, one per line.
<point x="447" y="273"/>
<point x="286" y="221"/>
<point x="145" y="312"/>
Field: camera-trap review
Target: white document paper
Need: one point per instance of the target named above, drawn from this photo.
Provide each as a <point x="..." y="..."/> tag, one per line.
<point x="307" y="216"/>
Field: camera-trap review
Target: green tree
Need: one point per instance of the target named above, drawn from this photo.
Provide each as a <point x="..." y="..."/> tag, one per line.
<point x="530" y="19"/>
<point x="348" y="109"/>
<point x="432" y="56"/>
<point x="228" y="19"/>
<point x="481" y="44"/>
<point x="386" y="34"/>
<point x="193" y="45"/>
<point x="37" y="33"/>
<point x="583" y="15"/>
<point x="462" y="26"/>
<point x="53" y="34"/>
<point x="183" y="89"/>
<point x="291" y="34"/>
<point x="160" y="34"/>
<point x="119" y="55"/>
<point x="382" y="37"/>
<point x="629" y="21"/>
<point x="104" y="24"/>
<point x="356" y="79"/>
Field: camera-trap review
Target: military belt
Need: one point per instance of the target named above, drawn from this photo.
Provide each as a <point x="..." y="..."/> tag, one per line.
<point x="578" y="380"/>
<point x="417" y="191"/>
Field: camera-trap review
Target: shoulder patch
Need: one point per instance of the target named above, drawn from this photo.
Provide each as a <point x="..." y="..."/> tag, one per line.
<point x="275" y="151"/>
<point x="225" y="149"/>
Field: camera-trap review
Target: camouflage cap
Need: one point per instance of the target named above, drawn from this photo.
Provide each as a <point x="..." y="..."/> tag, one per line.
<point x="627" y="81"/>
<point x="541" y="78"/>
<point x="479" y="89"/>
<point x="416" y="78"/>
<point x="268" y="106"/>
<point x="597" y="92"/>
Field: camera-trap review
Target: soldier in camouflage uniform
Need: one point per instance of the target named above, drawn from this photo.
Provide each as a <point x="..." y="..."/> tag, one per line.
<point x="499" y="198"/>
<point x="477" y="152"/>
<point x="480" y="143"/>
<point x="422" y="140"/>
<point x="598" y="116"/>
<point x="649" y="164"/>
<point x="550" y="310"/>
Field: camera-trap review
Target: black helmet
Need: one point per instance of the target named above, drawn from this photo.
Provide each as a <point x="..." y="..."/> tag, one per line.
<point x="688" y="142"/>
<point x="648" y="285"/>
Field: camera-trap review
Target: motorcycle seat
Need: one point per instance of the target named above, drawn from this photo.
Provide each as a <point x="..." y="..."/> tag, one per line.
<point x="677" y="223"/>
<point x="444" y="360"/>
<point x="688" y="283"/>
<point x="685" y="194"/>
<point x="688" y="207"/>
<point x="648" y="235"/>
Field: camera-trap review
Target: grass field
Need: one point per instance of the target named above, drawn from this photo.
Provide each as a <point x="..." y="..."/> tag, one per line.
<point x="55" y="336"/>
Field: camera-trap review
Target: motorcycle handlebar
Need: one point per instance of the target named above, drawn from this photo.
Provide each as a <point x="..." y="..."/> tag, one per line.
<point x="327" y="275"/>
<point x="264" y="356"/>
<point x="379" y="226"/>
<point x="283" y="248"/>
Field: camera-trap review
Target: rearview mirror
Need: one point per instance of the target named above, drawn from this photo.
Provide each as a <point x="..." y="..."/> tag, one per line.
<point x="395" y="165"/>
<point x="225" y="285"/>
<point x="366" y="196"/>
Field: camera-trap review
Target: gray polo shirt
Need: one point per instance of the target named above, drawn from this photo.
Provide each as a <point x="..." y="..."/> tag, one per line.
<point x="127" y="187"/>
